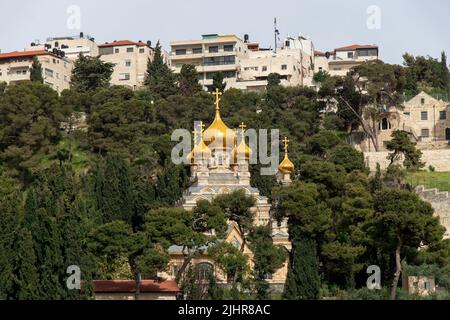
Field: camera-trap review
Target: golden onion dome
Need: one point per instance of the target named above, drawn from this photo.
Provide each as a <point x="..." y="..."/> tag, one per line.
<point x="286" y="166"/>
<point x="201" y="150"/>
<point x="242" y="150"/>
<point x="218" y="130"/>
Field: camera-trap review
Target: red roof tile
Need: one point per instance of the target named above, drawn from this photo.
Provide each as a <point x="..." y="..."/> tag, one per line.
<point x="123" y="43"/>
<point x="319" y="53"/>
<point x="17" y="54"/>
<point x="130" y="286"/>
<point x="357" y="46"/>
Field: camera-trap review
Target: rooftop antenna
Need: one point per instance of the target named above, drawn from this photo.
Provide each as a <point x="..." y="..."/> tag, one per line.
<point x="276" y="32"/>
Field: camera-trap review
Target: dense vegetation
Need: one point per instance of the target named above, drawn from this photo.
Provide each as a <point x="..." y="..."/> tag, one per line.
<point x="105" y="198"/>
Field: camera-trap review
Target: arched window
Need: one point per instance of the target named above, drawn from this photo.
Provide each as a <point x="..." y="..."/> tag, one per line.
<point x="204" y="270"/>
<point x="385" y="124"/>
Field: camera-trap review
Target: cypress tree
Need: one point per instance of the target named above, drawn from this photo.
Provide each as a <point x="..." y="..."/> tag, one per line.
<point x="36" y="71"/>
<point x="303" y="281"/>
<point x="218" y="82"/>
<point x="445" y="76"/>
<point x="160" y="80"/>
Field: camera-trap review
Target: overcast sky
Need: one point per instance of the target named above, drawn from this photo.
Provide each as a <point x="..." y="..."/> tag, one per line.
<point x="414" y="26"/>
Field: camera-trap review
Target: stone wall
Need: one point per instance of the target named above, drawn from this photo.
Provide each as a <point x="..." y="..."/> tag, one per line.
<point x="440" y="202"/>
<point x="438" y="158"/>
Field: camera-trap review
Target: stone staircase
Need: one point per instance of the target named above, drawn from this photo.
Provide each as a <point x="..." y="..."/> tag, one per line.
<point x="440" y="201"/>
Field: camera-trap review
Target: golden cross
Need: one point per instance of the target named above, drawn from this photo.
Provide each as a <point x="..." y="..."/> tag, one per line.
<point x="202" y="129"/>
<point x="195" y="132"/>
<point x="242" y="126"/>
<point x="286" y="144"/>
<point x="217" y="94"/>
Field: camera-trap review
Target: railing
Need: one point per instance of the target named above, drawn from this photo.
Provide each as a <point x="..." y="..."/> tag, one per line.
<point x="429" y="182"/>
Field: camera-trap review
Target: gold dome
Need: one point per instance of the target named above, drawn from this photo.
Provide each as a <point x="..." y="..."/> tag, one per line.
<point x="242" y="149"/>
<point x="286" y="166"/>
<point x="201" y="150"/>
<point x="218" y="130"/>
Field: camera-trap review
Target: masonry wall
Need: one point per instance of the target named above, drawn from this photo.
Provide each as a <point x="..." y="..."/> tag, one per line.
<point x="438" y="158"/>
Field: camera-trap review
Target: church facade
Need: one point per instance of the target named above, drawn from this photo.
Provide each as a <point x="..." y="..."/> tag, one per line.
<point x="220" y="164"/>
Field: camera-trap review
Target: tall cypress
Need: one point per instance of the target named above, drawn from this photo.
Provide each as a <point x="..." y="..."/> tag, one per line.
<point x="36" y="71"/>
<point x="160" y="80"/>
<point x="303" y="282"/>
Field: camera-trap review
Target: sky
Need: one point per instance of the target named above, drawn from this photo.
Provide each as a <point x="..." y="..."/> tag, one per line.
<point x="419" y="27"/>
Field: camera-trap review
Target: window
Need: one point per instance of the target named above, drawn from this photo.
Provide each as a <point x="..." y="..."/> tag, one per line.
<point x="124" y="76"/>
<point x="130" y="49"/>
<point x="214" y="61"/>
<point x="284" y="67"/>
<point x="424" y="115"/>
<point x="204" y="270"/>
<point x="264" y="68"/>
<point x="127" y="63"/>
<point x="350" y="55"/>
<point x="197" y="50"/>
<point x="213" y="49"/>
<point x="54" y="61"/>
<point x="442" y="115"/>
<point x="49" y="73"/>
<point x="406" y="113"/>
<point x="141" y="50"/>
<point x="116" y="50"/>
<point x="425" y="133"/>
<point x="385" y="125"/>
<point x="422" y="100"/>
<point x="180" y="52"/>
<point x="228" y="47"/>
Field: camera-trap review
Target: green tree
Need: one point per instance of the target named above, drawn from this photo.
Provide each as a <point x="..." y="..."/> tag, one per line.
<point x="218" y="81"/>
<point x="90" y="73"/>
<point x="273" y="80"/>
<point x="30" y="133"/>
<point x="303" y="281"/>
<point x="348" y="157"/>
<point x="267" y="258"/>
<point x="401" y="144"/>
<point x="36" y="71"/>
<point x="160" y="80"/>
<point x="402" y="221"/>
<point x="188" y="80"/>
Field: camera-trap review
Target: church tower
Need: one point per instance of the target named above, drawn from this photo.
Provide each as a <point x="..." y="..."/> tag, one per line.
<point x="286" y="167"/>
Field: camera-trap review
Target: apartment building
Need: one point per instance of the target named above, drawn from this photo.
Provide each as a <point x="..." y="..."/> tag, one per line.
<point x="294" y="62"/>
<point x="211" y="54"/>
<point x="130" y="61"/>
<point x="341" y="60"/>
<point x="56" y="68"/>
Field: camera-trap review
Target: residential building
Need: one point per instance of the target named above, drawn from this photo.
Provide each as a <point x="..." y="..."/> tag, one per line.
<point x="56" y="68"/>
<point x="130" y="61"/>
<point x="130" y="290"/>
<point x="211" y="54"/>
<point x="341" y="60"/>
<point x="294" y="62"/>
<point x="245" y="65"/>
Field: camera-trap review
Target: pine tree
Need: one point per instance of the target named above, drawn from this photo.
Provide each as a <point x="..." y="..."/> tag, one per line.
<point x="160" y="80"/>
<point x="90" y="73"/>
<point x="36" y="71"/>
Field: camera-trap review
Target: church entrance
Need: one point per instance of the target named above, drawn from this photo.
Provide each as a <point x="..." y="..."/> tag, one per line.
<point x="447" y="134"/>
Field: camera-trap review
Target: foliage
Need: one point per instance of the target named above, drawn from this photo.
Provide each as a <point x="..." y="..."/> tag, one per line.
<point x="90" y="73"/>
<point x="401" y="144"/>
<point x="160" y="80"/>
<point x="36" y="71"/>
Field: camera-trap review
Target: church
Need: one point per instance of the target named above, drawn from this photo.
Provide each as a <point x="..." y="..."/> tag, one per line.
<point x="220" y="164"/>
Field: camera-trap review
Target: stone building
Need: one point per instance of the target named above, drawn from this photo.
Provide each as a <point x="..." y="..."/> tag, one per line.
<point x="220" y="165"/>
<point x="15" y="67"/>
<point x="424" y="117"/>
<point x="130" y="61"/>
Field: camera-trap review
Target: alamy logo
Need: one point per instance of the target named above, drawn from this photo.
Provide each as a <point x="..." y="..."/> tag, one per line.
<point x="74" y="280"/>
<point x="374" y="280"/>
